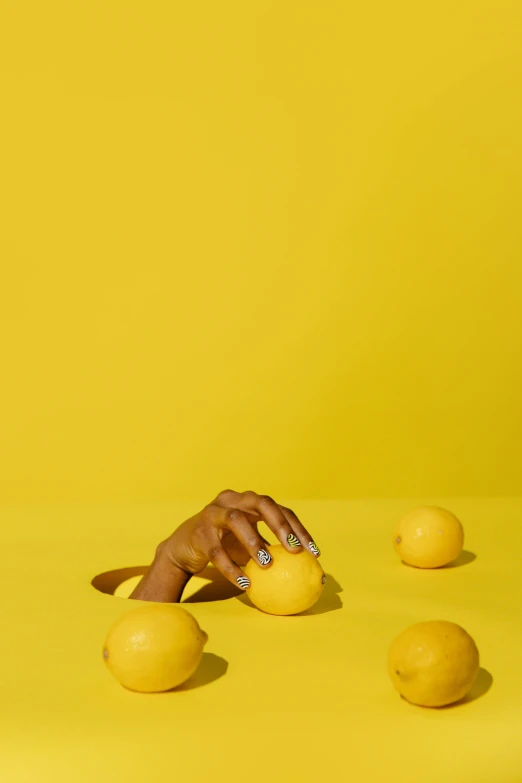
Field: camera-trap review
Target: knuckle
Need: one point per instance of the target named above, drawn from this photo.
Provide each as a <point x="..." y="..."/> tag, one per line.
<point x="229" y="569"/>
<point x="233" y="515"/>
<point x="214" y="552"/>
<point x="206" y="513"/>
<point x="253" y="543"/>
<point x="266" y="500"/>
<point x="225" y="493"/>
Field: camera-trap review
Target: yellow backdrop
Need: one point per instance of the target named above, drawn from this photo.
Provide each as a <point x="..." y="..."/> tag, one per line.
<point x="259" y="244"/>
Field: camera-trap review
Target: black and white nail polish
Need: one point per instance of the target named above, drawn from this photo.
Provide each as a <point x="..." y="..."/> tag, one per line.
<point x="314" y="549"/>
<point x="243" y="582"/>
<point x="264" y="557"/>
<point x="293" y="541"/>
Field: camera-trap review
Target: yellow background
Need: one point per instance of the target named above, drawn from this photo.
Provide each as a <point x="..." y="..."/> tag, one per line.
<point x="260" y="244"/>
<point x="267" y="245"/>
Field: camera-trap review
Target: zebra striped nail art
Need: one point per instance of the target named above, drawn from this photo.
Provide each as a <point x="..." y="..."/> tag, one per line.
<point x="243" y="582"/>
<point x="264" y="557"/>
<point x="314" y="549"/>
<point x="292" y="540"/>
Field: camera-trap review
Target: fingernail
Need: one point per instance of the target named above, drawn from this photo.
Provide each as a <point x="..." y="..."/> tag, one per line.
<point x="264" y="557"/>
<point x="292" y="540"/>
<point x="243" y="582"/>
<point x="314" y="549"/>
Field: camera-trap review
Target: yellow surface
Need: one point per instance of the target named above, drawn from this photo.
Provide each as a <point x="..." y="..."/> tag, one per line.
<point x="260" y="244"/>
<point x="278" y="698"/>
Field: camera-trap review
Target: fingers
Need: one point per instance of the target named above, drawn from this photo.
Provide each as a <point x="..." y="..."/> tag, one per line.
<point x="219" y="558"/>
<point x="238" y="522"/>
<point x="303" y="535"/>
<point x="226" y="499"/>
<point x="273" y="517"/>
<point x="281" y="520"/>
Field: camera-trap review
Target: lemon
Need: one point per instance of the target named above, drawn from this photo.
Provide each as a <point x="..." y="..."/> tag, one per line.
<point x="433" y="664"/>
<point x="292" y="584"/>
<point x="154" y="647"/>
<point x="428" y="537"/>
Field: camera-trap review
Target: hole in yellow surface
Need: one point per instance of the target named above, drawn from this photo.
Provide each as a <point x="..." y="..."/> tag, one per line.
<point x="209" y="585"/>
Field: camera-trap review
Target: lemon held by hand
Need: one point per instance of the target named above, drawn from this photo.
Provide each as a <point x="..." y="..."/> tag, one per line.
<point x="292" y="583"/>
<point x="154" y="647"/>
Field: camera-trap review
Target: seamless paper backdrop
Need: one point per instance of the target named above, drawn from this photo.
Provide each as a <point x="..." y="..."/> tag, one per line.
<point x="267" y="245"/>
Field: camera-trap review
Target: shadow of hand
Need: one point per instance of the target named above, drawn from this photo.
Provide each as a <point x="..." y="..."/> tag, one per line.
<point x="218" y="588"/>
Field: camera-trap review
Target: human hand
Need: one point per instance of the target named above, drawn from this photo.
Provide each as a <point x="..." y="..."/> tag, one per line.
<point x="225" y="534"/>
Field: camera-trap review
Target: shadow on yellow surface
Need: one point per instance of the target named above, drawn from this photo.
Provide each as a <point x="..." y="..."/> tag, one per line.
<point x="109" y="581"/>
<point x="216" y="588"/>
<point x="480" y="687"/>
<point x="465" y="558"/>
<point x="211" y="668"/>
<point x="328" y="602"/>
<point x="219" y="589"/>
<point x="330" y="599"/>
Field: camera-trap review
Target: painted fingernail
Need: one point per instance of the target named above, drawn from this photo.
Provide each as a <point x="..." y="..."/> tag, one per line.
<point x="243" y="582"/>
<point x="292" y="540"/>
<point x="264" y="557"/>
<point x="314" y="549"/>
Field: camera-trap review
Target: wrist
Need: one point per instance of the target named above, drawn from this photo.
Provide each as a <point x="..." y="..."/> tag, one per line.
<point x="164" y="562"/>
<point x="164" y="581"/>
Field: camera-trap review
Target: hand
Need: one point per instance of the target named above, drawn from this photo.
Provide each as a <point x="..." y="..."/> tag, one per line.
<point x="225" y="534"/>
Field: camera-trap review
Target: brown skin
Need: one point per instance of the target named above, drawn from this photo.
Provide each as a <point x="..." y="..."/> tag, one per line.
<point x="225" y="534"/>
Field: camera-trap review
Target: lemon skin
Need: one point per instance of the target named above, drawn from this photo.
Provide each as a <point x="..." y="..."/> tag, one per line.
<point x="428" y="537"/>
<point x="154" y="648"/>
<point x="290" y="585"/>
<point x="433" y="664"/>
